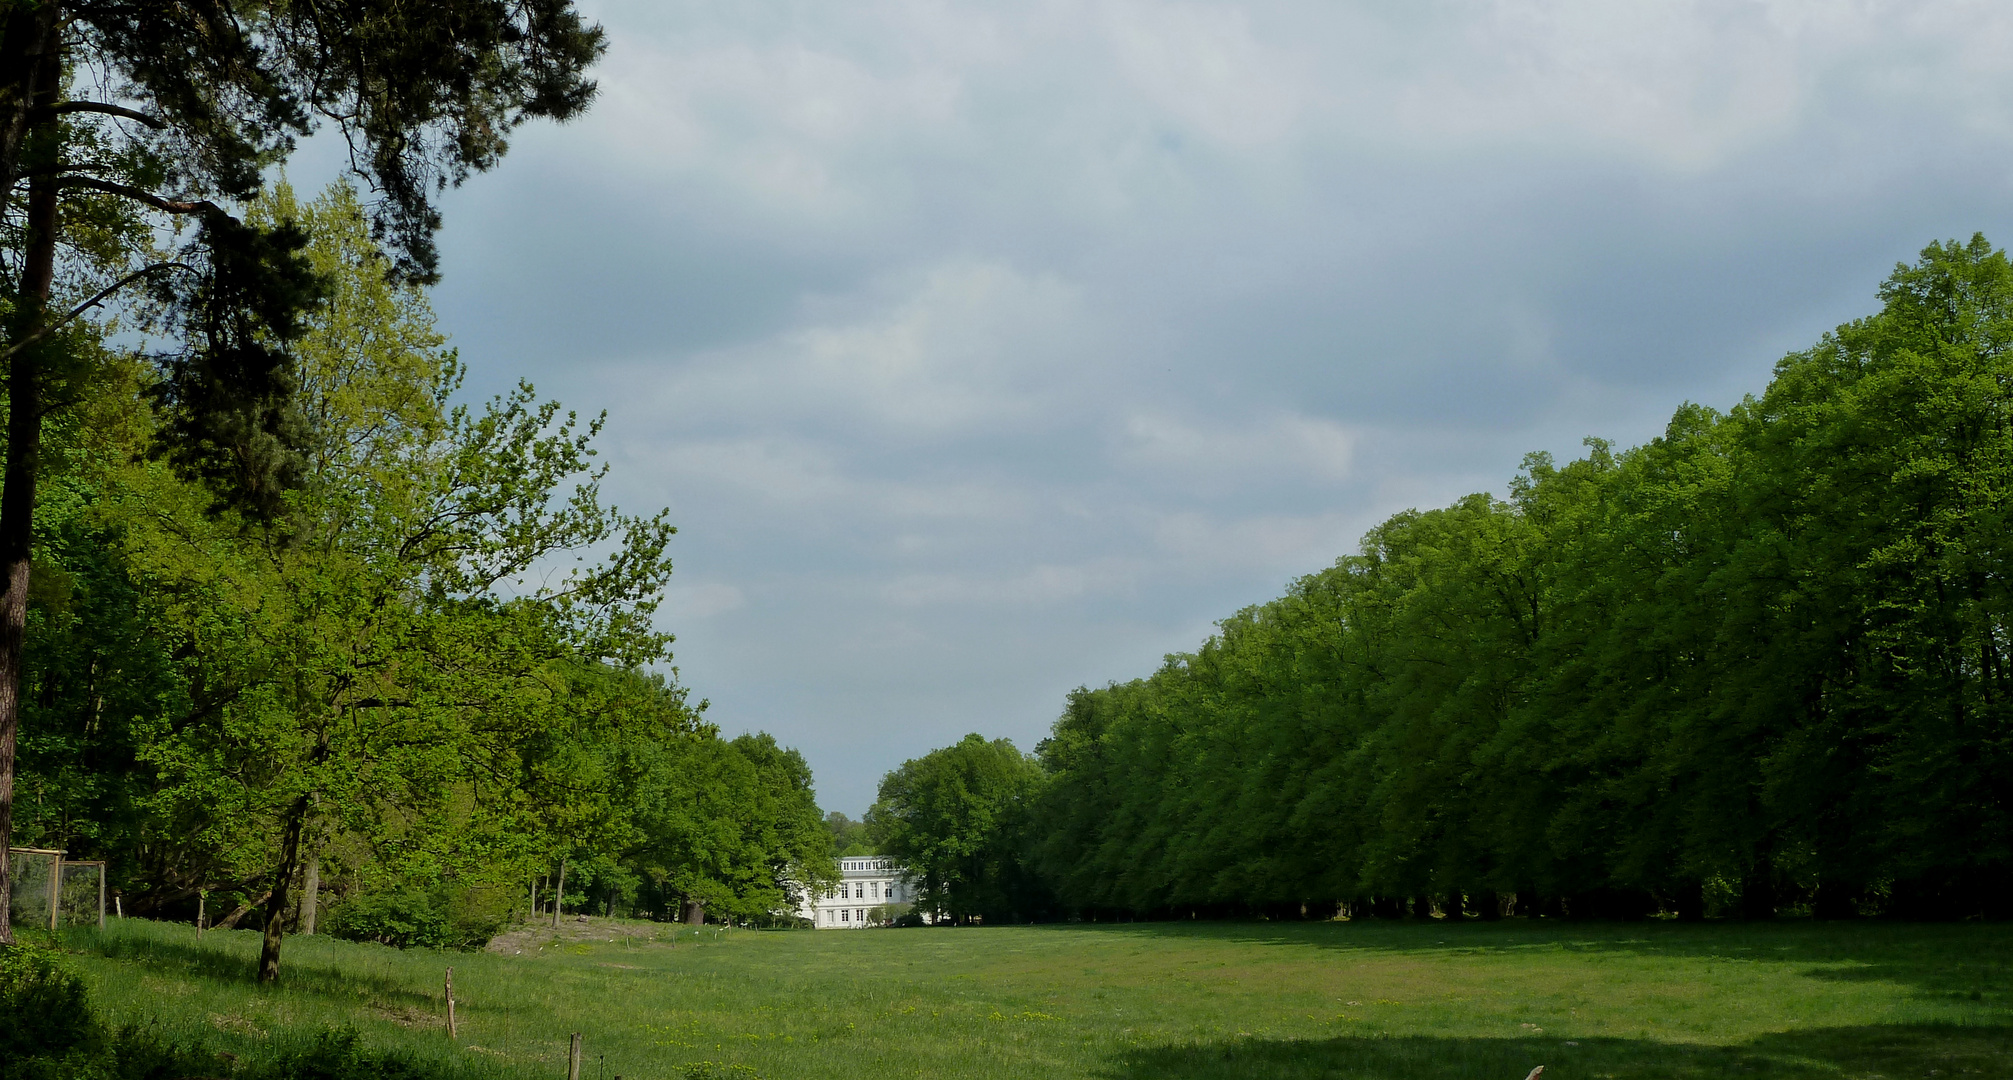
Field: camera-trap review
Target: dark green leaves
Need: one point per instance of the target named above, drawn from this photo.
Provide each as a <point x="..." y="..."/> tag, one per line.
<point x="1758" y="663"/>
<point x="227" y="399"/>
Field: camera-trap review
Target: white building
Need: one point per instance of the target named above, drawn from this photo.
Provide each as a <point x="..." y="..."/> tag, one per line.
<point x="866" y="882"/>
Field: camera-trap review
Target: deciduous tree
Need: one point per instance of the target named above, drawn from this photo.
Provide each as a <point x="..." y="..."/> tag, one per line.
<point x="118" y="115"/>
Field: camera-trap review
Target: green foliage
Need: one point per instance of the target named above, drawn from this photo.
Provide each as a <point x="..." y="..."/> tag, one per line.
<point x="44" y="1009"/>
<point x="1757" y="664"/>
<point x="730" y="825"/>
<point x="894" y="915"/>
<point x="385" y="678"/>
<point x="849" y="837"/>
<point x="407" y="916"/>
<point x="186" y="109"/>
<point x="957" y="818"/>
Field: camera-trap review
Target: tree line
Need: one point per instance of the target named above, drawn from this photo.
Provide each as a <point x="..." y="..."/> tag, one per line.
<point x="1759" y="664"/>
<point x="382" y="699"/>
<point x="283" y="627"/>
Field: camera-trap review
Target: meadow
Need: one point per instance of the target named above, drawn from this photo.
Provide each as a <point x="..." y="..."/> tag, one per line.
<point x="1370" y="1000"/>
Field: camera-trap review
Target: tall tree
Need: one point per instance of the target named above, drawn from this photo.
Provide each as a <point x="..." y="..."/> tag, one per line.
<point x="134" y="109"/>
<point x="956" y="817"/>
<point x="376" y="658"/>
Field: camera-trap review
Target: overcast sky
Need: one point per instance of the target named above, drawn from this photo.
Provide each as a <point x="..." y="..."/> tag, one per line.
<point x="982" y="351"/>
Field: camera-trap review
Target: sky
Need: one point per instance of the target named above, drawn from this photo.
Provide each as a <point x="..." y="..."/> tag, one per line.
<point x="982" y="351"/>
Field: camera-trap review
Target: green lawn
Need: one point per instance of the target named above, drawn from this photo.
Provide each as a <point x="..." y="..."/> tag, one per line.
<point x="1127" y="1002"/>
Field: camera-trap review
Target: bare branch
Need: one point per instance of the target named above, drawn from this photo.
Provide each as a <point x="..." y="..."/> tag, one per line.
<point x="108" y="110"/>
<point x="87" y="305"/>
<point x="172" y="206"/>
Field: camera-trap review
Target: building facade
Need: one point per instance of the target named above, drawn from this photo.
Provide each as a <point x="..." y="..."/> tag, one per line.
<point x="868" y="884"/>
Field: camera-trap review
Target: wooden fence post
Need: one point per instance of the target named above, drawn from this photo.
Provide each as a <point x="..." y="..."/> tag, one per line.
<point x="450" y="1003"/>
<point x="573" y="1059"/>
<point x="55" y="889"/>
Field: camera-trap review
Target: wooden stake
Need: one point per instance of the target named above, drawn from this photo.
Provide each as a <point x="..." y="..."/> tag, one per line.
<point x="450" y="1003"/>
<point x="202" y="898"/>
<point x="55" y="890"/>
<point x="573" y="1059"/>
<point x="1535" y="1073"/>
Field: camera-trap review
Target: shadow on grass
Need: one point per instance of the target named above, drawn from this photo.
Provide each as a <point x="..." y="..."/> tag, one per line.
<point x="1952" y="961"/>
<point x="215" y="960"/>
<point x="1817" y="1054"/>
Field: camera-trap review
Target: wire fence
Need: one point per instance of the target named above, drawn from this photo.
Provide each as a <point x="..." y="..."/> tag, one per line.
<point x="49" y="891"/>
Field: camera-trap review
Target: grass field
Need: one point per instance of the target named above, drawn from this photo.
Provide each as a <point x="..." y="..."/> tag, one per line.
<point x="1377" y="1001"/>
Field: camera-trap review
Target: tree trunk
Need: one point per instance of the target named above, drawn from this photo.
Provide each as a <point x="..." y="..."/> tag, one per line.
<point x="283" y="879"/>
<point x="25" y="37"/>
<point x="558" y="894"/>
<point x="1757" y="890"/>
<point x="24" y="418"/>
<point x="695" y="913"/>
<point x="311" y="896"/>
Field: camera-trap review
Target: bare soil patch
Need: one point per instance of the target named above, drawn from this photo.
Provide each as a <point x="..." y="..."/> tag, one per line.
<point x="527" y="939"/>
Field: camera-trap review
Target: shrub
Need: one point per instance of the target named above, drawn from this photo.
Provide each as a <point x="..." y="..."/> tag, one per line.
<point x="444" y="917"/>
<point x="895" y="915"/>
<point x="398" y="917"/>
<point x="45" y="1013"/>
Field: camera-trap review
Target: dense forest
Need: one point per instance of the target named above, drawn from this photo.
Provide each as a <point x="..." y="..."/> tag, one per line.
<point x="381" y="697"/>
<point x="1757" y="665"/>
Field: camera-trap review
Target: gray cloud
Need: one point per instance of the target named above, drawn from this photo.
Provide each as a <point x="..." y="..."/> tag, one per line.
<point x="985" y="350"/>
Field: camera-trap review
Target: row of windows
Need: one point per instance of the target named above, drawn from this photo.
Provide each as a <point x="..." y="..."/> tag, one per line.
<point x="866" y="864"/>
<point x="862" y="890"/>
<point x="844" y="915"/>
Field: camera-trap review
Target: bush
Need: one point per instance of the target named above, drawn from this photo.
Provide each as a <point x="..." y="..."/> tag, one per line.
<point x="444" y="917"/>
<point x="401" y="918"/>
<point x="895" y="915"/>
<point x="48" y="1031"/>
<point x="44" y="1010"/>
